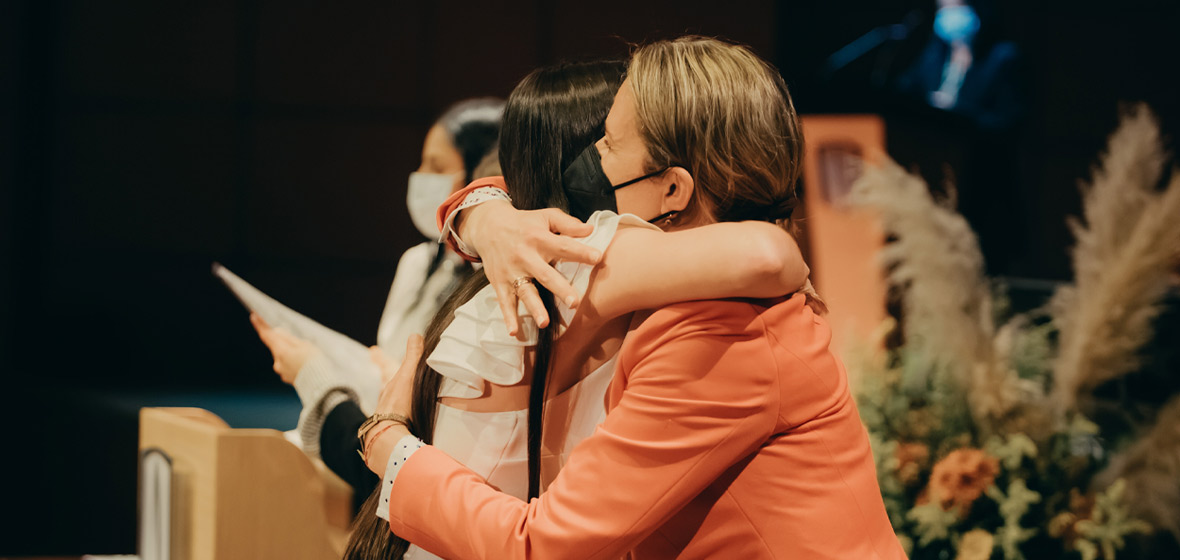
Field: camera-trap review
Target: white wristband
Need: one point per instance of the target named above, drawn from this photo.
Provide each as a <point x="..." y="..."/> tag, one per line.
<point x="475" y="197"/>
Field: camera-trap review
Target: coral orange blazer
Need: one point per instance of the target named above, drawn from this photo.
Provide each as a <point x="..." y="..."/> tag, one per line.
<point x="731" y="433"/>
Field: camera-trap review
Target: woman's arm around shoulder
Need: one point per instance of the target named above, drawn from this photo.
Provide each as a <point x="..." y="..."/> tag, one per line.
<point x="646" y="269"/>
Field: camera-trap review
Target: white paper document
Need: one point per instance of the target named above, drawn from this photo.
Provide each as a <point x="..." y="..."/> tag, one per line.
<point x="349" y="357"/>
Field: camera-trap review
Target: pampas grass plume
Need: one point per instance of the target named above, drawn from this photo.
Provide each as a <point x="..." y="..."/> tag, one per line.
<point x="1126" y="246"/>
<point x="935" y="259"/>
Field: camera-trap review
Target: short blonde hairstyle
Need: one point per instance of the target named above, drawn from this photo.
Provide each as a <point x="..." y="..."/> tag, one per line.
<point x="725" y="115"/>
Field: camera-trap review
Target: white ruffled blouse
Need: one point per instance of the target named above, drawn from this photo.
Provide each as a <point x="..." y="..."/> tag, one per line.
<point x="476" y="349"/>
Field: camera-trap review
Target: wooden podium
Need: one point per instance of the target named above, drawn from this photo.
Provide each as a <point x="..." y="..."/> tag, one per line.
<point x="242" y="493"/>
<point x="843" y="242"/>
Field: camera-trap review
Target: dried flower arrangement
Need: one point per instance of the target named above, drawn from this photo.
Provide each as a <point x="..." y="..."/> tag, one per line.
<point x="979" y="427"/>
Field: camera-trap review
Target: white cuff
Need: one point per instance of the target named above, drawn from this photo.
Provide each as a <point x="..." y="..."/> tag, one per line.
<point x="401" y="453"/>
<point x="475" y="197"/>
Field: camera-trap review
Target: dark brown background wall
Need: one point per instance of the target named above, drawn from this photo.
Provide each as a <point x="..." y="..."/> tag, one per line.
<point x="275" y="137"/>
<point x="149" y="139"/>
<point x="140" y="141"/>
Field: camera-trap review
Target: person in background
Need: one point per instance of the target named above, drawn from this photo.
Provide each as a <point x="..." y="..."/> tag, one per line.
<point x="965" y="68"/>
<point x="975" y="80"/>
<point x="427" y="273"/>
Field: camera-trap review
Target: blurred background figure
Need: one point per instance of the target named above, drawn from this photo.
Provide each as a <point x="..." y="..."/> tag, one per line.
<point x="427" y="273"/>
<point x="463" y="137"/>
<point x="969" y="71"/>
<point x="965" y="67"/>
<point x="952" y="90"/>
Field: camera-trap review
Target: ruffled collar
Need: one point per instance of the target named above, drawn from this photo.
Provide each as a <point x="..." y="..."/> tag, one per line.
<point x="476" y="349"/>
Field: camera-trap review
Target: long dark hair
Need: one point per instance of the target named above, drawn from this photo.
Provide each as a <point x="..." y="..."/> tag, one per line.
<point x="371" y="538"/>
<point x="553" y="114"/>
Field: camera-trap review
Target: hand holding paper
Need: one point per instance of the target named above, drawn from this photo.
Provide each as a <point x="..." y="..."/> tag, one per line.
<point x="289" y="351"/>
<point x="348" y="358"/>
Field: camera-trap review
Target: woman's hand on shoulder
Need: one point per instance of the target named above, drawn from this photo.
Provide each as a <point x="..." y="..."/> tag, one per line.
<point x="522" y="244"/>
<point x="397" y="397"/>
<point x="397" y="392"/>
<point x="289" y="351"/>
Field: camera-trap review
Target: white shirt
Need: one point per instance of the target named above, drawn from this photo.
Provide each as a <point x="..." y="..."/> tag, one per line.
<point x="415" y="296"/>
<point x="476" y="349"/>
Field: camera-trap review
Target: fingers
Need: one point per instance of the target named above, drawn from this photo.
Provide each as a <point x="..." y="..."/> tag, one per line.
<point x="561" y="247"/>
<point x="272" y="336"/>
<point x="507" y="300"/>
<point x="377" y="356"/>
<point x="549" y="277"/>
<point x="405" y="373"/>
<point x="524" y="246"/>
<point x="265" y="332"/>
<point x="284" y="337"/>
<point x="566" y="249"/>
<point x="532" y="302"/>
<point x="414" y="348"/>
<point x="507" y="295"/>
<point x="560" y="222"/>
<point x="257" y="321"/>
<point x="397" y="395"/>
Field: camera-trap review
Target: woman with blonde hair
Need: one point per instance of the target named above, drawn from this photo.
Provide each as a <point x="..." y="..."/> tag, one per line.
<point x="730" y="429"/>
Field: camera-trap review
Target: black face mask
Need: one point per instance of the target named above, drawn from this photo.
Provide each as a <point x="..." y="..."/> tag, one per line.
<point x="587" y="187"/>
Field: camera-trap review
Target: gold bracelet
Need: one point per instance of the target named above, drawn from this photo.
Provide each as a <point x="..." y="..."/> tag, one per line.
<point x="371" y="422"/>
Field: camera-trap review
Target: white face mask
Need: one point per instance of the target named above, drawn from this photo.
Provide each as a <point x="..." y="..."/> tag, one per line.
<point x="426" y="193"/>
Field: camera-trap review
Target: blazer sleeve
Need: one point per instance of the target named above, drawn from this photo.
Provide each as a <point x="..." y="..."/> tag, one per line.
<point x="700" y="394"/>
